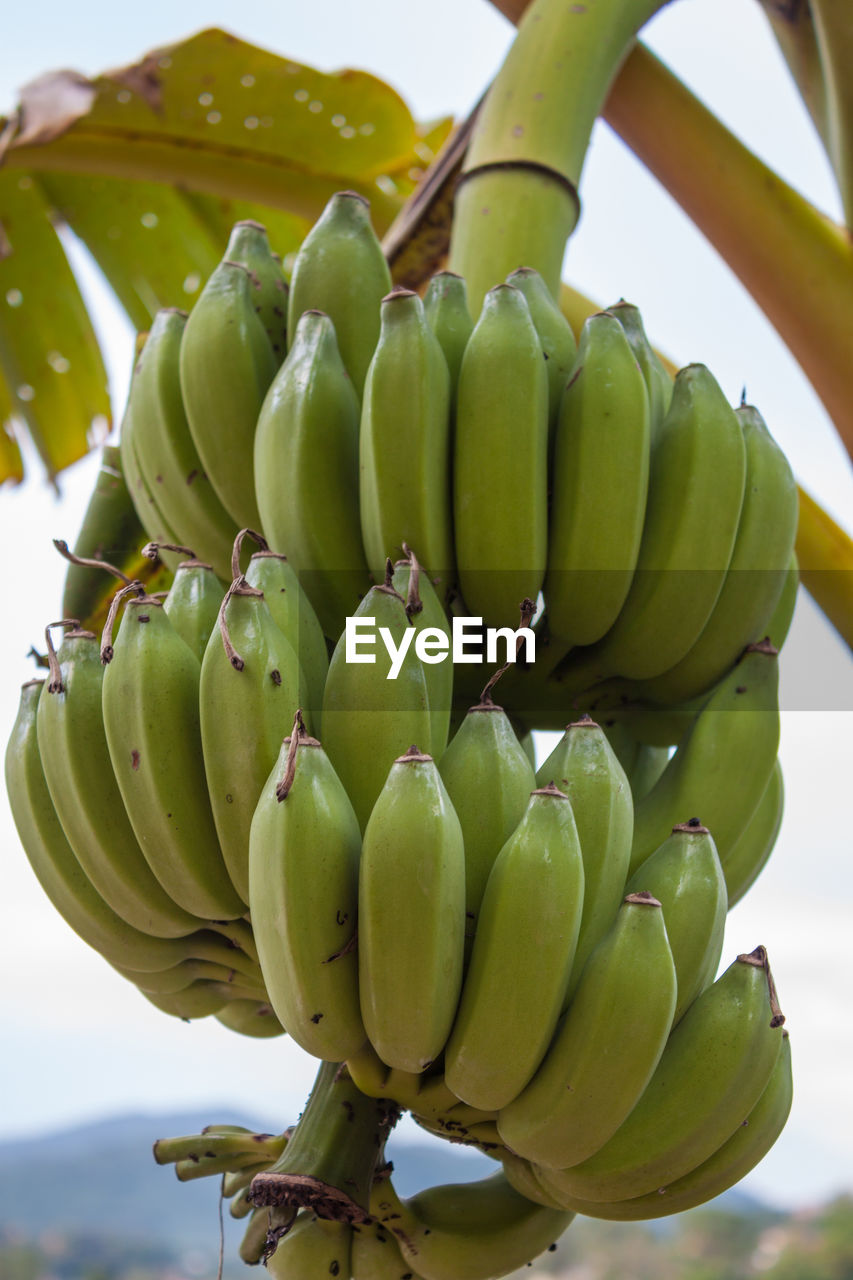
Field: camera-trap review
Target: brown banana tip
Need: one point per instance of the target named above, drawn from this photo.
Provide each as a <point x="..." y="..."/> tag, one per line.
<point x="250" y="222"/>
<point x="414" y="755"/>
<point x="399" y="291"/>
<point x="552" y="790"/>
<point x="586" y="722"/>
<point x="693" y="826"/>
<point x="642" y="898"/>
<point x="761" y="646"/>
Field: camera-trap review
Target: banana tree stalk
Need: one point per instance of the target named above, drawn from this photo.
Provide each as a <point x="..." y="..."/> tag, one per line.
<point x="833" y="23"/>
<point x="516" y="200"/>
<point x="794" y="29"/>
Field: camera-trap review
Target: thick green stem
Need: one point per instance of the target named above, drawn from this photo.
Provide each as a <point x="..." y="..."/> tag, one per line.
<point x="517" y="202"/>
<point x="331" y="1157"/>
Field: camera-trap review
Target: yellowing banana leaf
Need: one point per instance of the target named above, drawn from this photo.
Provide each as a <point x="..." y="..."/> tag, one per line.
<point x="152" y="164"/>
<point x="49" y="355"/>
<point x="226" y="118"/>
<point x="11" y="462"/>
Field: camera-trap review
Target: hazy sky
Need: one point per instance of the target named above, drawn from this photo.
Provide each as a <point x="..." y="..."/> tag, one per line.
<point x="79" y="1041"/>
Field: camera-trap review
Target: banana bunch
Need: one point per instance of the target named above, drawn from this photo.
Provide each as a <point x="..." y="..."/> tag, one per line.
<point x="134" y="771"/>
<point x="350" y="421"/>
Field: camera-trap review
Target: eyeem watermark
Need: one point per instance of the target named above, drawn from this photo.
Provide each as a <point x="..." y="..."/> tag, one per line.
<point x="468" y="642"/>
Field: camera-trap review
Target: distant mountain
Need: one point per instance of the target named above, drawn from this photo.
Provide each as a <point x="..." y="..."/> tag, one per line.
<point x="100" y="1180"/>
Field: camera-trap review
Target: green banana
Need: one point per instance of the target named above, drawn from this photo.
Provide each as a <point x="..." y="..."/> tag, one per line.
<point x="722" y="766"/>
<point x="60" y="874"/>
<point x="658" y="382"/>
<point x="600" y="484"/>
<point x="111" y="531"/>
<point x="293" y="614"/>
<point x="199" y="1000"/>
<point x="446" y="310"/>
<point x="783" y="615"/>
<point x="522" y="1177"/>
<point x="226" y="367"/>
<point x="304" y="852"/>
<point x="756" y="573"/>
<point x="715" y="1066"/>
<point x="585" y="767"/>
<point x="168" y="458"/>
<point x="696" y="486"/>
<point x="150" y="516"/>
<point x="76" y="761"/>
<point x="606" y="1047"/>
<point x="686" y="876"/>
<point x="404" y="442"/>
<point x="469" y="1230"/>
<point x="340" y="269"/>
<point x="374" y="1255"/>
<point x="369" y="718"/>
<point x="739" y="1154"/>
<point x="250" y="1018"/>
<point x="489" y="779"/>
<point x="151" y="718"/>
<point x="250" y="687"/>
<point x="500" y="494"/>
<point x="643" y="764"/>
<point x="411" y="902"/>
<point x="182" y="975"/>
<point x="312" y="1247"/>
<point x="749" y="853"/>
<point x="425" y="612"/>
<point x="194" y="600"/>
<point x="524" y="946"/>
<point x="249" y="246"/>
<point x="555" y="335"/>
<point x="308" y="432"/>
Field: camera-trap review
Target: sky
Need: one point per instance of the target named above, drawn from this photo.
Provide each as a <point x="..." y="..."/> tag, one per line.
<point x="79" y="1042"/>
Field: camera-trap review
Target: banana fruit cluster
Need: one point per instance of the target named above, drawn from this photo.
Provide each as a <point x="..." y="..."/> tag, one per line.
<point x="348" y="420"/>
<point x="248" y="823"/>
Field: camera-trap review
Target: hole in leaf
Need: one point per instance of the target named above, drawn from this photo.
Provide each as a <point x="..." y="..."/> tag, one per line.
<point x="247" y="81"/>
<point x="251" y="122"/>
<point x="149" y="220"/>
<point x="14" y="297"/>
<point x="26" y="392"/>
<point x="58" y="362"/>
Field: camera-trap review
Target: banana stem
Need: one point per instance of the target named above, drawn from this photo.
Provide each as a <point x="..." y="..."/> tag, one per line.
<point x="793" y="26"/>
<point x="516" y="202"/>
<point x="330" y="1160"/>
<point x="754" y="219"/>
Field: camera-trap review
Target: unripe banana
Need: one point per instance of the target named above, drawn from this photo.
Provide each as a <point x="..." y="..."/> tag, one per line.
<point x="721" y="768"/>
<point x="185" y="973"/>
<point x="424" y="610"/>
<point x="340" y="269"/>
<point x="783" y="615"/>
<point x="696" y="485"/>
<point x="226" y="366"/>
<point x="404" y="442"/>
<point x="756" y="573"/>
<point x="446" y="310"/>
<point x="524" y="947"/>
<point x="500" y="498"/>
<point x="168" y="457"/>
<point x="151" y="718"/>
<point x="193" y="603"/>
<point x="369" y="719"/>
<point x="606" y="1047"/>
<point x="308" y="432"/>
<point x="199" y="1000"/>
<point x="715" y="1067"/>
<point x="312" y="1247"/>
<point x="293" y="614"/>
<point x="411" y="903"/>
<point x="599" y="485"/>
<point x="686" y="876"/>
<point x="585" y="767"/>
<point x="250" y="1018"/>
<point x="248" y="244"/>
<point x="303" y="893"/>
<point x="374" y="1254"/>
<point x="739" y="1154"/>
<point x="555" y="334"/>
<point x="76" y="762"/>
<point x="469" y="1230"/>
<point x="150" y="516"/>
<point x="749" y="853"/>
<point x="250" y="687"/>
<point x="60" y="874"/>
<point x="658" y="381"/>
<point x="489" y="779"/>
<point x="643" y="764"/>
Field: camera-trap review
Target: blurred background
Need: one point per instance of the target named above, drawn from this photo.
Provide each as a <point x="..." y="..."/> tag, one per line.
<point x="90" y="1073"/>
